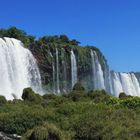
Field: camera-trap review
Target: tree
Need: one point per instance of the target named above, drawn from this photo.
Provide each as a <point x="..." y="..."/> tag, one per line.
<point x="2" y="100"/>
<point x="64" y="38"/>
<point x="122" y="95"/>
<point x="30" y="95"/>
<point x="75" y="42"/>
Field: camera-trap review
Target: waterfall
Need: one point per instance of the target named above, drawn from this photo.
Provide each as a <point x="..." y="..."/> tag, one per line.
<point x="94" y="77"/>
<point x="57" y="72"/>
<point x="125" y="82"/>
<point x="53" y="73"/>
<point x="73" y="69"/>
<point x="116" y="84"/>
<point x="102" y="78"/>
<point x="64" y="70"/>
<point x="136" y="84"/>
<point x="107" y="78"/>
<point x="97" y="72"/>
<point x="113" y="82"/>
<point x="18" y="69"/>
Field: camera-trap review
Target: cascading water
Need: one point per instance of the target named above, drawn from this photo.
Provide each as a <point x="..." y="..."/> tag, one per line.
<point x="107" y="78"/>
<point x="18" y="69"/>
<point x="53" y="73"/>
<point x="113" y="82"/>
<point x="73" y="69"/>
<point x="125" y="82"/>
<point x="136" y="84"/>
<point x="97" y="72"/>
<point x="57" y="72"/>
<point x="64" y="70"/>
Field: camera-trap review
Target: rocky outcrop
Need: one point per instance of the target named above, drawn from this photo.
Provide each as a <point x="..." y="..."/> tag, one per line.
<point x="4" y="136"/>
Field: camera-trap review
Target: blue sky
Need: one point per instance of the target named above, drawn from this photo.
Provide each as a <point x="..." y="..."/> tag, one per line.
<point x="111" y="25"/>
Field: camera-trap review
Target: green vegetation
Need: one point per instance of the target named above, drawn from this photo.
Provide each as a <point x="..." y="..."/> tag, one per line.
<point x="13" y="32"/>
<point x="29" y="95"/>
<point x="46" y="132"/>
<point x="75" y="116"/>
<point x="2" y="100"/>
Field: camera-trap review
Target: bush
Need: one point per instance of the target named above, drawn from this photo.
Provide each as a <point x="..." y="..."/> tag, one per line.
<point x="99" y="96"/>
<point x="2" y="100"/>
<point x="122" y="95"/>
<point x="18" y="118"/>
<point x="30" y="95"/>
<point x="46" y="132"/>
<point x="54" y="100"/>
<point x="132" y="103"/>
<point x="76" y="95"/>
<point x="49" y="96"/>
<point x="78" y="87"/>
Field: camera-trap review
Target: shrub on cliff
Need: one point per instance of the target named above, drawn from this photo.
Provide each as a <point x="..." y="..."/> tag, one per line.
<point x="14" y="32"/>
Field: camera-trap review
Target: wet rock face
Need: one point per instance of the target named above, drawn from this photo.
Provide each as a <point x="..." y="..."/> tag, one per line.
<point x="4" y="136"/>
<point x="60" y="71"/>
<point x="55" y="64"/>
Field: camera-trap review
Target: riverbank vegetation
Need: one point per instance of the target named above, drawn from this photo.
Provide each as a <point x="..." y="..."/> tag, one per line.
<point x="79" y="115"/>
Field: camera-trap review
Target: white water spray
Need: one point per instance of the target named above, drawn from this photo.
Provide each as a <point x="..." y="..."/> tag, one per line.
<point x="57" y="72"/>
<point x="73" y="69"/>
<point x="97" y="72"/>
<point x="18" y="69"/>
<point x="125" y="82"/>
